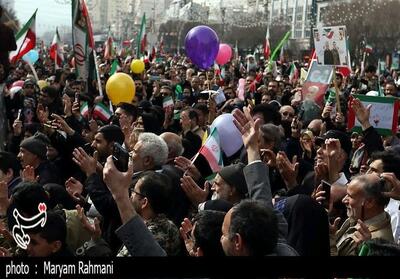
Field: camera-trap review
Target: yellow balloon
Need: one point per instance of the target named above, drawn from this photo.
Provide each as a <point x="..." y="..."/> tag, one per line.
<point x="137" y="66"/>
<point x="42" y="84"/>
<point x="120" y="87"/>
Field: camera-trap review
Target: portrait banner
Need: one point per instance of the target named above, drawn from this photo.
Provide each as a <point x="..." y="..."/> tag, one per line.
<point x="331" y="46"/>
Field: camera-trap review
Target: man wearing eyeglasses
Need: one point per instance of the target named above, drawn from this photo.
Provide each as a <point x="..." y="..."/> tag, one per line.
<point x="150" y="199"/>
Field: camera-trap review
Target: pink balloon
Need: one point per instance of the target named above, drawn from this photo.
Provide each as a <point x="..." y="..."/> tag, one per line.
<point x="224" y="54"/>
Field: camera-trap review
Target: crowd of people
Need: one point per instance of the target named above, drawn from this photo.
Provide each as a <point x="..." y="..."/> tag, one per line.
<point x="300" y="185"/>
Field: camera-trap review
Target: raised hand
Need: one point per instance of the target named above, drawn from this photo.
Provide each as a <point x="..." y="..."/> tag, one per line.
<point x="187" y="167"/>
<point x="288" y="170"/>
<point x="394" y="193"/>
<point x="76" y="109"/>
<point x="185" y="232"/>
<point x="319" y="194"/>
<point x="321" y="172"/>
<point x="326" y="113"/>
<point x="362" y="113"/>
<point x="17" y="127"/>
<point x="67" y="105"/>
<point x="28" y="174"/>
<point x="194" y="193"/>
<point x="269" y="157"/>
<point x="362" y="233"/>
<point x="88" y="164"/>
<point x="334" y="159"/>
<point x="93" y="229"/>
<point x="74" y="189"/>
<point x="61" y="124"/>
<point x="117" y="182"/>
<point x="333" y="227"/>
<point x="249" y="128"/>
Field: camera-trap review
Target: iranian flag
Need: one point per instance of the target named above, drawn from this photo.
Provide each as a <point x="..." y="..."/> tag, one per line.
<point x="82" y="37"/>
<point x="368" y="49"/>
<point x="294" y="73"/>
<point x="25" y="38"/>
<point x="142" y="38"/>
<point x="212" y="152"/>
<point x="102" y="112"/>
<point x="267" y="47"/>
<point x="168" y="102"/>
<point x="56" y="50"/>
<point x="85" y="110"/>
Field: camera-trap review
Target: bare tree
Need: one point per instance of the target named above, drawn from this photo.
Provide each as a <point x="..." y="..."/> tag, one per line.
<point x="368" y="22"/>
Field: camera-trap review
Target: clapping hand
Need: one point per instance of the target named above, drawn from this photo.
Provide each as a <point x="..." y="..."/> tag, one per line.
<point x="288" y="170"/>
<point x="74" y="189"/>
<point x="93" y="229"/>
<point x="87" y="163"/>
<point x="249" y="128"/>
<point x="187" y="167"/>
<point x="362" y="113"/>
<point x="28" y="174"/>
<point x="195" y="194"/>
<point x="185" y="232"/>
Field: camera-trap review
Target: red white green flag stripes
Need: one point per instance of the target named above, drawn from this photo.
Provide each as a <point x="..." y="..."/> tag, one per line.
<point x="267" y="47"/>
<point x="294" y="73"/>
<point x="25" y="38"/>
<point x="142" y="38"/>
<point x="56" y="50"/>
<point x="211" y="150"/>
<point x="102" y="112"/>
<point x="82" y="37"/>
<point x="85" y="110"/>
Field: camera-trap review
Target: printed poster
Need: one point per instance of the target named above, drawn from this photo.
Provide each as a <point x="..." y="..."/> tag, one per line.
<point x="331" y="46"/>
<point x="383" y="116"/>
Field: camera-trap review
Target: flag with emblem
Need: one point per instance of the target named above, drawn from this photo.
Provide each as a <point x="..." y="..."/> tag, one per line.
<point x="328" y="32"/>
<point x="211" y="151"/>
<point x="25" y="39"/>
<point x="83" y="41"/>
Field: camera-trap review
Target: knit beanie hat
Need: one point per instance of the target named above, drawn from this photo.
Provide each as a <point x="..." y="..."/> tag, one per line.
<point x="35" y="146"/>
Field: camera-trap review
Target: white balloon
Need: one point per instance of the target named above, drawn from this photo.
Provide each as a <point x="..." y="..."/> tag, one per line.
<point x="229" y="136"/>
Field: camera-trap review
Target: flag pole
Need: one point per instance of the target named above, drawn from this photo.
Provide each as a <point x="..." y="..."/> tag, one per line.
<point x="56" y="55"/>
<point x="97" y="73"/>
<point x="337" y="91"/>
<point x="33" y="71"/>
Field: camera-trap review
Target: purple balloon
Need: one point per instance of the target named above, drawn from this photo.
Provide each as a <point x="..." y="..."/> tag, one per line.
<point x="202" y="46"/>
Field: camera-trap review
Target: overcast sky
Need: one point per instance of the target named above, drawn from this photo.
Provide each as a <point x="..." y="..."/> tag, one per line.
<point x="50" y="13"/>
